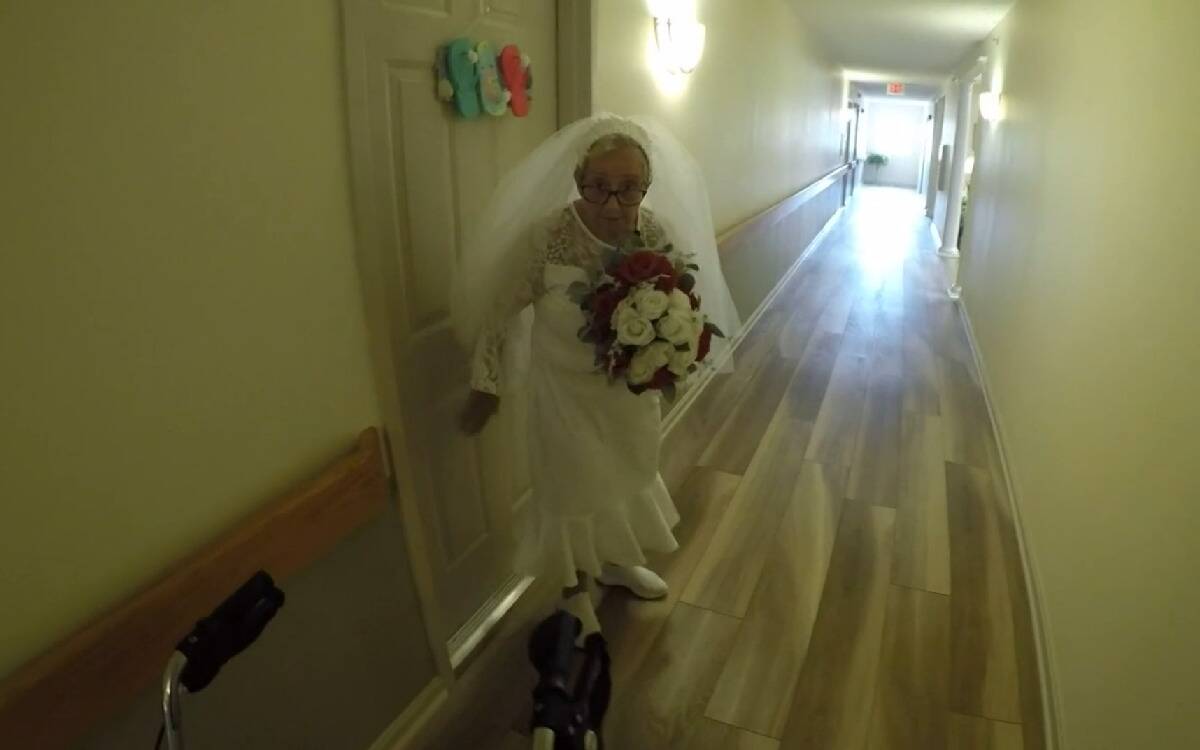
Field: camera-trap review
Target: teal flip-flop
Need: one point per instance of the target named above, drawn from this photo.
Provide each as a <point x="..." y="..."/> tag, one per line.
<point x="464" y="77"/>
<point x="495" y="98"/>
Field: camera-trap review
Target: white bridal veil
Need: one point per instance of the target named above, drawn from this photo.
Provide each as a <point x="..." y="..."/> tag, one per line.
<point x="497" y="255"/>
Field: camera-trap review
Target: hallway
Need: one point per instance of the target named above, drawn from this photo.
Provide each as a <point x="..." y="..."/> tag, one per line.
<point x="944" y="500"/>
<point x="848" y="574"/>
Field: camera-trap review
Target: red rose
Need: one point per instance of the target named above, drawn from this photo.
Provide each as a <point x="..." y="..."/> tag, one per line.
<point x="604" y="304"/>
<point x="662" y="379"/>
<point x="704" y="345"/>
<point x="621" y="359"/>
<point x="643" y="266"/>
<point x="665" y="284"/>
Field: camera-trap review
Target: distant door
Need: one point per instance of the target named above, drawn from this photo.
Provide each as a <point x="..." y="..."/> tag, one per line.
<point x="856" y="149"/>
<point x="422" y="176"/>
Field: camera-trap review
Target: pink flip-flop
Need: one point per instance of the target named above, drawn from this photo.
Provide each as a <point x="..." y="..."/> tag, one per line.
<point x="514" y="73"/>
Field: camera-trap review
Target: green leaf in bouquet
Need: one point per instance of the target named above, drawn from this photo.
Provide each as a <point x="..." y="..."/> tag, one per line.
<point x="612" y="261"/>
<point x="579" y="292"/>
<point x="692" y="267"/>
<point x="712" y="328"/>
<point x="682" y="347"/>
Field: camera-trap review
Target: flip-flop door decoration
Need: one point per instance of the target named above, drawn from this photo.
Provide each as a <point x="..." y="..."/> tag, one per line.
<point x="474" y="79"/>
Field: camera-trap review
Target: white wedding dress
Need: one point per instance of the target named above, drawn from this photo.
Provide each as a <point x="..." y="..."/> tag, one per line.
<point x="593" y="445"/>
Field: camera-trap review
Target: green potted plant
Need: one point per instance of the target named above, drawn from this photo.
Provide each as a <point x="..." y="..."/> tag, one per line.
<point x="878" y="161"/>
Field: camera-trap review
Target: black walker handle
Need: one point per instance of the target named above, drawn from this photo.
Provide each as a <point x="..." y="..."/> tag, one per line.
<point x="232" y="626"/>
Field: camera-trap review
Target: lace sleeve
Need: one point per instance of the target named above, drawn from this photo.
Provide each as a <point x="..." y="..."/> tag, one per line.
<point x="651" y="231"/>
<point x="487" y="363"/>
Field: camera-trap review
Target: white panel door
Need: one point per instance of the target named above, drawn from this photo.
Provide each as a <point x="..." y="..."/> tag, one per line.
<point x="421" y="178"/>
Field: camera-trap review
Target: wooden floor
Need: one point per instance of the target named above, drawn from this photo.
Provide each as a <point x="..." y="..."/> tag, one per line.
<point x="849" y="575"/>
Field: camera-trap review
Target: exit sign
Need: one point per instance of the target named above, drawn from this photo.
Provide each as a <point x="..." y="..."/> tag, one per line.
<point x="895" y="89"/>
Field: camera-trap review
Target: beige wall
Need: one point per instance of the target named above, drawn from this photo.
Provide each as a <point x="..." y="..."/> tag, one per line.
<point x="180" y="320"/>
<point x="1080" y="277"/>
<point x="762" y="112"/>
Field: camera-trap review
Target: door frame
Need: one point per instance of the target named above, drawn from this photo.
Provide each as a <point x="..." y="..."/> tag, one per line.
<point x="852" y="156"/>
<point x="576" y="24"/>
<point x="575" y="62"/>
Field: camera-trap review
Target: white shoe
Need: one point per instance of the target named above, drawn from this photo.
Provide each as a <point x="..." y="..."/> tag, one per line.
<point x="580" y="605"/>
<point x="643" y="582"/>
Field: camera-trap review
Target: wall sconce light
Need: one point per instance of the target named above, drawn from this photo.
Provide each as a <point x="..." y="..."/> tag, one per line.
<point x="991" y="108"/>
<point x="680" y="43"/>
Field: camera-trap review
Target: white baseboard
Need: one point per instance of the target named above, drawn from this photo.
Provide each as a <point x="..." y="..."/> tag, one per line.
<point x="1051" y="710"/>
<point x="464" y="642"/>
<point x="693" y="394"/>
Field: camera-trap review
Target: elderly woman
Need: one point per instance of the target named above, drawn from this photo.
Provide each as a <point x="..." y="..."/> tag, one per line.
<point x="598" y="502"/>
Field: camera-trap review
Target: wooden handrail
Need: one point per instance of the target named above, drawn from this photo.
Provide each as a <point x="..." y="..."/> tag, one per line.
<point x="54" y="699"/>
<point x="727" y="239"/>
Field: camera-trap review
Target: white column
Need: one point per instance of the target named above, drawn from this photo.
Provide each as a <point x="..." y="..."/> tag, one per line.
<point x="958" y="169"/>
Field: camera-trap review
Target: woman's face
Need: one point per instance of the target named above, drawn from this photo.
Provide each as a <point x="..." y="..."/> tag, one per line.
<point x="622" y="173"/>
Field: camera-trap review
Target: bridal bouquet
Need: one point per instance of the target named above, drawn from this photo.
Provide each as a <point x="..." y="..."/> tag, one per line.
<point x="644" y="319"/>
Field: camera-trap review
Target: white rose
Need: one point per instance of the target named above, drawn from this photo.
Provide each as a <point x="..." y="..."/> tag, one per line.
<point x="681" y="361"/>
<point x="677" y="326"/>
<point x="633" y="329"/>
<point x="650" y="302"/>
<point x="680" y="301"/>
<point x="648" y="361"/>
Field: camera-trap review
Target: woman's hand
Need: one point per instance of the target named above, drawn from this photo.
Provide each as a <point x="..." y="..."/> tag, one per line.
<point x="480" y="408"/>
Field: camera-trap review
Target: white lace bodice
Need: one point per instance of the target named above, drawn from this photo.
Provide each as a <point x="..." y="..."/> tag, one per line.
<point x="561" y="240"/>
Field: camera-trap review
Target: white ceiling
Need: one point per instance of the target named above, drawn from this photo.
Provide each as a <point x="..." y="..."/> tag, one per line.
<point x="914" y="41"/>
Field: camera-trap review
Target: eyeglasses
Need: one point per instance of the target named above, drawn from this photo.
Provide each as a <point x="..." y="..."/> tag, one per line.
<point x="628" y="195"/>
